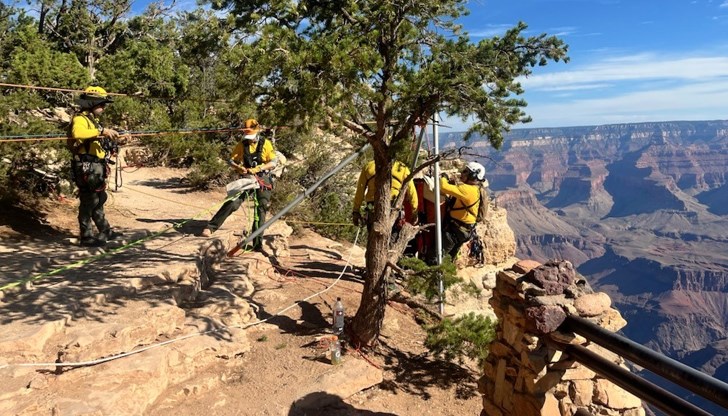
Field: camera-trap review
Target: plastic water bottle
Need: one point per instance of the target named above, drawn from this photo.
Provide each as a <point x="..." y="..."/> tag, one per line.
<point x="338" y="316"/>
<point x="335" y="348"/>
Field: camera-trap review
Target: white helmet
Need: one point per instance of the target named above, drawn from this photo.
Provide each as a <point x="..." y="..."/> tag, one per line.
<point x="476" y="170"/>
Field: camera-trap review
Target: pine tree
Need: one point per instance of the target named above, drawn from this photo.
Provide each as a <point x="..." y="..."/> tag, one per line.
<point x="380" y="68"/>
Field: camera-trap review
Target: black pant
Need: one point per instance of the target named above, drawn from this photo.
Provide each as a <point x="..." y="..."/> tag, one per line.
<point x="262" y="197"/>
<point x="90" y="174"/>
<point x="454" y="235"/>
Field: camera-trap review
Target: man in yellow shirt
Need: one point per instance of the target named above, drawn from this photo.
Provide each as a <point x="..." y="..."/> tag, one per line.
<point x="254" y="155"/>
<point x="89" y="167"/>
<point x="365" y="191"/>
<point x="464" y="203"/>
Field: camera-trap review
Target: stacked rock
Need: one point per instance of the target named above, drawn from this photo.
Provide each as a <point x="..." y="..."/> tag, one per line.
<point x="525" y="374"/>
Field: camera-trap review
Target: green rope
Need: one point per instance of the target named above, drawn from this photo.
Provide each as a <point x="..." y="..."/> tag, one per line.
<point x="113" y="251"/>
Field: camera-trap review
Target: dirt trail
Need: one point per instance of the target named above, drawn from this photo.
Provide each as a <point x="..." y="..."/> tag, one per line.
<point x="142" y="295"/>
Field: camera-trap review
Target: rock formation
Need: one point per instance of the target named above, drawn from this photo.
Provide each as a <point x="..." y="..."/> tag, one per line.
<point x="640" y="209"/>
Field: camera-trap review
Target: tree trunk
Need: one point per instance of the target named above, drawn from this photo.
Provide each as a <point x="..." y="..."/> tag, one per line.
<point x="370" y="315"/>
<point x="42" y="18"/>
<point x="91" y="58"/>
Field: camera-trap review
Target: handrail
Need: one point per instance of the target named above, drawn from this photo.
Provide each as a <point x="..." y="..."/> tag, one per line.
<point x="672" y="370"/>
<point x="657" y="396"/>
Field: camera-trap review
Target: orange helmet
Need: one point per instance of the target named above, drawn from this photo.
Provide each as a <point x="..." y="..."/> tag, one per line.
<point x="251" y="129"/>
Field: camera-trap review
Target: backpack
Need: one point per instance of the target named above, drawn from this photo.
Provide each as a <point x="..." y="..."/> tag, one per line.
<point x="484" y="205"/>
<point x="71" y="143"/>
<point x="281" y="167"/>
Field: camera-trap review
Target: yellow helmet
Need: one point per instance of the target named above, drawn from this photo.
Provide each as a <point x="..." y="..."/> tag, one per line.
<point x="97" y="91"/>
<point x="94" y="96"/>
<point x="251" y="129"/>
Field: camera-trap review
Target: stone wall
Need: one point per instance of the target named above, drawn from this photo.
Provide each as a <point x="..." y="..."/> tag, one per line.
<point x="525" y="374"/>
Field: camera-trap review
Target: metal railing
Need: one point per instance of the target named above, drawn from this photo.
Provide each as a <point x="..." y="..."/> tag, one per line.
<point x="672" y="370"/>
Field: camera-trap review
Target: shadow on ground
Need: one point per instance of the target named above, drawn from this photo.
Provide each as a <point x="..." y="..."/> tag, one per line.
<point x="414" y="373"/>
<point x="177" y="185"/>
<point x="311" y="322"/>
<point x="188" y="226"/>
<point x="324" y="270"/>
<point x="325" y="404"/>
<point x="31" y="224"/>
<point x="67" y="284"/>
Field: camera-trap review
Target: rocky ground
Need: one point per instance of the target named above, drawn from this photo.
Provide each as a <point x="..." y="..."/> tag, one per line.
<point x="206" y="353"/>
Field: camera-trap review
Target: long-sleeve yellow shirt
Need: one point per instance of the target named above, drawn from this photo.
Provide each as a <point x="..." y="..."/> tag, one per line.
<point x="365" y="189"/>
<point x="83" y="128"/>
<point x="467" y="200"/>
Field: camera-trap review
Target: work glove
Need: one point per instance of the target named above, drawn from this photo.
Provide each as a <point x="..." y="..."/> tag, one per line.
<point x="110" y="133"/>
<point x="356" y="218"/>
<point x="450" y="178"/>
<point x="237" y="167"/>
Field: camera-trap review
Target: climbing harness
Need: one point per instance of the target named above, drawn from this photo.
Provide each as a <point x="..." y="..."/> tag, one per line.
<point x="477" y="251"/>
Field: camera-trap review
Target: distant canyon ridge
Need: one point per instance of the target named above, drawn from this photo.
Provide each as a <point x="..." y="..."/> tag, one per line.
<point x="641" y="209"/>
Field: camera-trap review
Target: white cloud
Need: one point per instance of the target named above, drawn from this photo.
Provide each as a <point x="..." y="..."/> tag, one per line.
<point x="562" y="31"/>
<point x="724" y="5"/>
<point x="578" y="87"/>
<point x="690" y="101"/>
<point x="631" y="68"/>
<point x="575" y="99"/>
<point x="490" y="31"/>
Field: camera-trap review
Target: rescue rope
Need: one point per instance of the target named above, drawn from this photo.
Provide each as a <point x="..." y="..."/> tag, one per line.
<point x="248" y="216"/>
<point x="104" y="254"/>
<point x="118" y="94"/>
<point x="48" y="137"/>
<point x="161" y="344"/>
<point x="35" y="87"/>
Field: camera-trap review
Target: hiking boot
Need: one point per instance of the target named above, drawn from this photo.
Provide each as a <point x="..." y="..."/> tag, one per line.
<point x="109" y="235"/>
<point x="91" y="242"/>
<point x="206" y="233"/>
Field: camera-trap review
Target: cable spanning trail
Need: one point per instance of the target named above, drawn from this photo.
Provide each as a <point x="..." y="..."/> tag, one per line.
<point x="195" y="334"/>
<point x="35" y="87"/>
<point x="115" y="250"/>
<point x="62" y="136"/>
<point x="118" y="94"/>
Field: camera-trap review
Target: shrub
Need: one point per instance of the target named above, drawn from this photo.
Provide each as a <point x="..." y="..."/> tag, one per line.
<point x="424" y="279"/>
<point x="468" y="336"/>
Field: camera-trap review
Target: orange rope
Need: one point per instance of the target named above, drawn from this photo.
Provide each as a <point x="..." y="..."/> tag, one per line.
<point x="364" y="356"/>
<point x="160" y="133"/>
<point x="34" y="87"/>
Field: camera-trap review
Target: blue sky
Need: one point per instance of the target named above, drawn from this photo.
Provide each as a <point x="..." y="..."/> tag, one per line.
<point x="631" y="60"/>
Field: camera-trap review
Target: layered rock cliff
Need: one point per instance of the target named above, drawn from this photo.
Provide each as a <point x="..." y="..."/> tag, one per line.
<point x="641" y="209"/>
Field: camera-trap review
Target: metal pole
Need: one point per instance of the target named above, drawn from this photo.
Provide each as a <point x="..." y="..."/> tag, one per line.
<point x="117" y="173"/>
<point x="675" y="371"/>
<point x="298" y="200"/>
<point x="661" y="398"/>
<point x="438" y="219"/>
